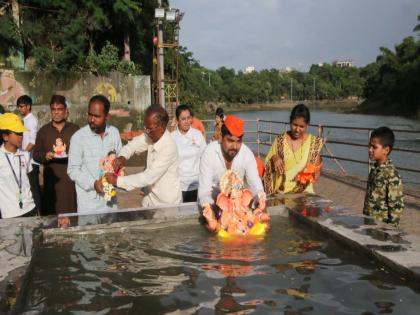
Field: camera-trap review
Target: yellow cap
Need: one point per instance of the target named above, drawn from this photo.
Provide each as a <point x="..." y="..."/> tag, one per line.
<point x="12" y="122"/>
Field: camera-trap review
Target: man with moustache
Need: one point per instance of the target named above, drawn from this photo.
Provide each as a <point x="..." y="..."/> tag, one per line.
<point x="160" y="180"/>
<point x="87" y="147"/>
<point x="229" y="154"/>
<point x="59" y="193"/>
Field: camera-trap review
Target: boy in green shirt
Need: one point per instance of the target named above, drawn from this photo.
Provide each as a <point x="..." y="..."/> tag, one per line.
<point x="384" y="193"/>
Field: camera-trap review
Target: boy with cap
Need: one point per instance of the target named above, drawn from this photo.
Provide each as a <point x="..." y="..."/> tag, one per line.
<point x="15" y="191"/>
<point x="229" y="154"/>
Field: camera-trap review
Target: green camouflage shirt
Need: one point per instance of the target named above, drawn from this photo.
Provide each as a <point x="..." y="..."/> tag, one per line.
<point x="384" y="194"/>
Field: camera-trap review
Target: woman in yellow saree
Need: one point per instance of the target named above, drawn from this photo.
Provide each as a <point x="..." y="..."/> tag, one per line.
<point x="293" y="163"/>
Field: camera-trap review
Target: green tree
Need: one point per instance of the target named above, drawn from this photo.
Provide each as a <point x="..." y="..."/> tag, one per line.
<point x="394" y="78"/>
<point x="417" y="27"/>
<point x="9" y="34"/>
<point x="60" y="35"/>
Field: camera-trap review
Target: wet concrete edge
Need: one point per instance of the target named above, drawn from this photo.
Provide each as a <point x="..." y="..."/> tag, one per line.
<point x="19" y="237"/>
<point x="390" y="246"/>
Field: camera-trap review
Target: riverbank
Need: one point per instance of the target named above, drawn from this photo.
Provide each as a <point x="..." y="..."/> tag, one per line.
<point x="365" y="107"/>
<point x="379" y="107"/>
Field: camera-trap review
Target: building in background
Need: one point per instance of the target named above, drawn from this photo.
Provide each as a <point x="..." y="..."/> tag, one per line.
<point x="285" y="70"/>
<point x="249" y="69"/>
<point x="343" y="63"/>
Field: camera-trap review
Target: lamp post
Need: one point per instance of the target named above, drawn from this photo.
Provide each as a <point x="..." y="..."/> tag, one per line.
<point x="159" y="15"/>
<point x="314" y="88"/>
<point x="291" y="89"/>
<point x="203" y="74"/>
<point x="164" y="93"/>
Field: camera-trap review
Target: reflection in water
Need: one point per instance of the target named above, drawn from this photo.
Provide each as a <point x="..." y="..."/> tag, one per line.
<point x="302" y="267"/>
<point x="185" y="270"/>
<point x="383" y="236"/>
<point x="385" y="307"/>
<point x="234" y="258"/>
<point x="227" y="302"/>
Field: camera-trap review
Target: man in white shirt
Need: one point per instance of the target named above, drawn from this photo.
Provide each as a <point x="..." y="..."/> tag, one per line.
<point x="160" y="180"/>
<point x="24" y="105"/>
<point x="229" y="154"/>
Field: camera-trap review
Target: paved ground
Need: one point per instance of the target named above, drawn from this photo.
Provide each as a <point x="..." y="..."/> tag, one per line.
<point x="348" y="192"/>
<point x="130" y="199"/>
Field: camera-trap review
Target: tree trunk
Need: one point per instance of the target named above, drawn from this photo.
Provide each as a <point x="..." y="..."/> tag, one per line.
<point x="17" y="20"/>
<point x="127" y="53"/>
<point x="15" y="13"/>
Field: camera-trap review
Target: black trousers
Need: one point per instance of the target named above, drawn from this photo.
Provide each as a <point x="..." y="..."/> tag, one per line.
<point x="33" y="177"/>
<point x="31" y="213"/>
<point x="189" y="195"/>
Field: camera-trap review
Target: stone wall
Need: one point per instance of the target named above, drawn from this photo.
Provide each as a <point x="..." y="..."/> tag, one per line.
<point x="129" y="95"/>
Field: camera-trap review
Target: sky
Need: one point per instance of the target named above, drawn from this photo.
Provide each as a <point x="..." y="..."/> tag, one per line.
<point x="292" y="33"/>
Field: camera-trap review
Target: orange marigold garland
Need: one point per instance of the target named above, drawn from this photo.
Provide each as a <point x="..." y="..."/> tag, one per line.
<point x="308" y="174"/>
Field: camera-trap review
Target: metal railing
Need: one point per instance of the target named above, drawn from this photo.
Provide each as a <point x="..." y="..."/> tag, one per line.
<point x="321" y="128"/>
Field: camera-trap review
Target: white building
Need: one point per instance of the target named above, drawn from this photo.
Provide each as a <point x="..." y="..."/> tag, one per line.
<point x="249" y="69"/>
<point x="286" y="70"/>
<point x="343" y="63"/>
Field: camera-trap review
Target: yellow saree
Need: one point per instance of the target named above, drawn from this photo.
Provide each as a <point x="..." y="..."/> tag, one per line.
<point x="294" y="163"/>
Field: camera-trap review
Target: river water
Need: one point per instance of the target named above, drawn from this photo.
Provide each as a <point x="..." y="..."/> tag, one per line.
<point x="404" y="140"/>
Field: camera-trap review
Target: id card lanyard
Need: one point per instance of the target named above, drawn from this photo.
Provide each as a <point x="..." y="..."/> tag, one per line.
<point x="18" y="182"/>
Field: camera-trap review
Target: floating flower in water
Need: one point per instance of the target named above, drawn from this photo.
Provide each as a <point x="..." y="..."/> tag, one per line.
<point x="293" y="292"/>
<point x="307" y="265"/>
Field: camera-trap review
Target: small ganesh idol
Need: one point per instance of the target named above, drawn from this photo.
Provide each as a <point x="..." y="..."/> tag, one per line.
<point x="59" y="148"/>
<point x="105" y="166"/>
<point x="236" y="216"/>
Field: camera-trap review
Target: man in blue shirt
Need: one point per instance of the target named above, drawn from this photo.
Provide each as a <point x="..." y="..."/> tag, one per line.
<point x="87" y="147"/>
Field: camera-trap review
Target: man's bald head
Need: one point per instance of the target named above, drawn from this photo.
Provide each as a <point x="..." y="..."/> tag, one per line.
<point x="158" y="113"/>
<point x="155" y="121"/>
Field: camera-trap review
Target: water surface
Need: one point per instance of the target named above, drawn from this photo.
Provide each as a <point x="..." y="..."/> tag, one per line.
<point x="184" y="270"/>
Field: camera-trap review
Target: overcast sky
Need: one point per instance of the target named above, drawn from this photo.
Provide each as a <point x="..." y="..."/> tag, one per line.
<point x="292" y="33"/>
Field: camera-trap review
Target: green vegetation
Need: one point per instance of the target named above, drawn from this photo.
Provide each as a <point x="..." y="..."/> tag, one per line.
<point x="391" y="85"/>
<point x="393" y="81"/>
<point x="327" y="82"/>
<point x="78" y="35"/>
<point x="61" y="36"/>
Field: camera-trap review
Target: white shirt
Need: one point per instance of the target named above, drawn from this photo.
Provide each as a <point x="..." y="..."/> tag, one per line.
<point x="160" y="179"/>
<point x="9" y="188"/>
<point x="190" y="148"/>
<point x="213" y="166"/>
<point x="30" y="122"/>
